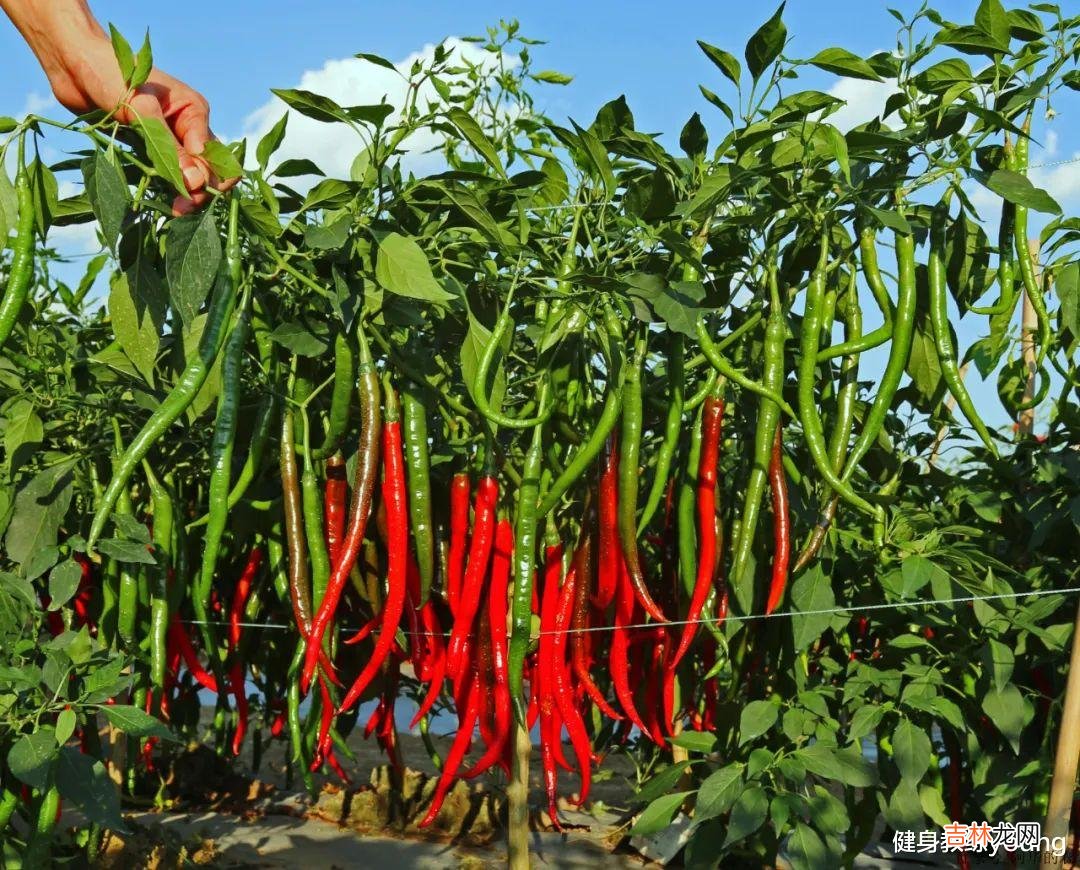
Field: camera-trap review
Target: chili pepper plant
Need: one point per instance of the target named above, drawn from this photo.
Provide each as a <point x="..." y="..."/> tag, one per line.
<point x="661" y="443"/>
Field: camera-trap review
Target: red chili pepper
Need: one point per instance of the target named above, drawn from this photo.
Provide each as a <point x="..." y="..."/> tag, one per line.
<point x="781" y="526"/>
<point x="497" y="608"/>
<point x="459" y="532"/>
<point x="326" y="722"/>
<point x="397" y="523"/>
<point x="620" y="644"/>
<point x="190" y="658"/>
<point x="334" y="507"/>
<point x="608" y="515"/>
<point x="711" y="425"/>
<point x="236" y="616"/>
<point x="564" y="695"/>
<point x="550" y="719"/>
<point x="487" y="497"/>
<point x="581" y="638"/>
<point x="653" y="683"/>
<point x="458" y="750"/>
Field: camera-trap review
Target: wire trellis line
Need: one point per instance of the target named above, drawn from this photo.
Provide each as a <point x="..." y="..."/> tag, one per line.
<point x="857" y="608"/>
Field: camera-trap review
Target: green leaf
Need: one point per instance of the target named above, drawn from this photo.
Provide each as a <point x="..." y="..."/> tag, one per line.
<point x="192" y="258"/>
<point x="125" y="58"/>
<point x="1019" y="190"/>
<point x="136" y="723"/>
<point x="270" y="142"/>
<point x="40" y="562"/>
<point x="552" y="77"/>
<point x="844" y="63"/>
<point x="40" y="507"/>
<point x="138" y="306"/>
<point x="477" y="138"/>
<point x="313" y="106"/>
<point x="84" y="781"/>
<point x="748" y="814"/>
<point x="695" y="741"/>
<point x="891" y="219"/>
<point x="161" y="149"/>
<point x="657" y="815"/>
<point x="403" y="268"/>
<point x="377" y="60"/>
<point x="108" y="194"/>
<point x="23" y="433"/>
<point x="911" y="750"/>
<point x="1068" y="291"/>
<point x="32" y="755"/>
<point x="716" y="101"/>
<point x="126" y="551"/>
<point x="64" y="582"/>
<point x="828" y="812"/>
<point x="1009" y="711"/>
<point x="727" y="63"/>
<point x="66" y="720"/>
<point x="1002" y="662"/>
<point x="924" y="365"/>
<point x="661" y="783"/>
<point x="222" y="160"/>
<point x="756" y="718"/>
<point x="766" y="44"/>
<point x="811" y="592"/>
<point x="933" y="804"/>
<point x="992" y="20"/>
<point x="718" y="792"/>
<point x="299" y="339"/>
<point x="805" y="850"/>
<point x="144" y="63"/>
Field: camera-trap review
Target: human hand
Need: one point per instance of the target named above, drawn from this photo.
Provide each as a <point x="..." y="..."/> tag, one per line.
<point x="78" y="59"/>
<point x="92" y="80"/>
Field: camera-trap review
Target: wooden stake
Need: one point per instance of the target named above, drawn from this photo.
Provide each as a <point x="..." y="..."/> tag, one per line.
<point x="1028" y="327"/>
<point x="1066" y="756"/>
<point x="517" y="794"/>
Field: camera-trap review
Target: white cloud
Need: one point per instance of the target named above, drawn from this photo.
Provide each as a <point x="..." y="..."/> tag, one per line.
<point x="864" y="100"/>
<point x="37" y="103"/>
<point x="1051" y="143"/>
<point x="351" y="82"/>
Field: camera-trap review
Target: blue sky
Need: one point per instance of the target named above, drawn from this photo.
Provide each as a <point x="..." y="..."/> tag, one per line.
<point x="234" y="52"/>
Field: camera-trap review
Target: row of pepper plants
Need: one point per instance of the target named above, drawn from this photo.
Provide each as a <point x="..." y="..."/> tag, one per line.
<point x="580" y="433"/>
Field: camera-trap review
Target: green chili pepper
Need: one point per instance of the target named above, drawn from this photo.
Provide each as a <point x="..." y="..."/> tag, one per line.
<point x="609" y="416"/>
<point x="939" y="322"/>
<point x="221" y="449"/>
<point x="127" y="614"/>
<point x="525" y="564"/>
<point x="1006" y="277"/>
<point x="685" y="509"/>
<point x="1023" y="252"/>
<point x="899" y="351"/>
<point x="311" y="499"/>
<point x="503" y="327"/>
<point x="296" y="726"/>
<point x="872" y="273"/>
<point x="629" y="477"/>
<point x="808" y="412"/>
<point x="772" y="377"/>
<point x="162" y="504"/>
<point x="418" y="467"/>
<point x="191" y="380"/>
<point x="39" y="846"/>
<point x="676" y="377"/>
<point x="21" y="270"/>
<point x="725" y="368"/>
<point x="340" y="399"/>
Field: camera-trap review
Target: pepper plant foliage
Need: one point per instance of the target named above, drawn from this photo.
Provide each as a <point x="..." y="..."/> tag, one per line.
<point x="554" y="284"/>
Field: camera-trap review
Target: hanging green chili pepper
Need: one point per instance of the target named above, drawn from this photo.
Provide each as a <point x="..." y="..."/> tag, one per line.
<point x="21" y="270"/>
<point x="161" y="500"/>
<point x="629" y="477"/>
<point x="418" y="464"/>
<point x="939" y="322"/>
<point x="340" y="398"/>
<point x="191" y="380"/>
<point x="899" y="352"/>
<point x="808" y="412"/>
<point x="676" y="378"/>
<point x="525" y="565"/>
<point x="1024" y="256"/>
<point x="772" y="377"/>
